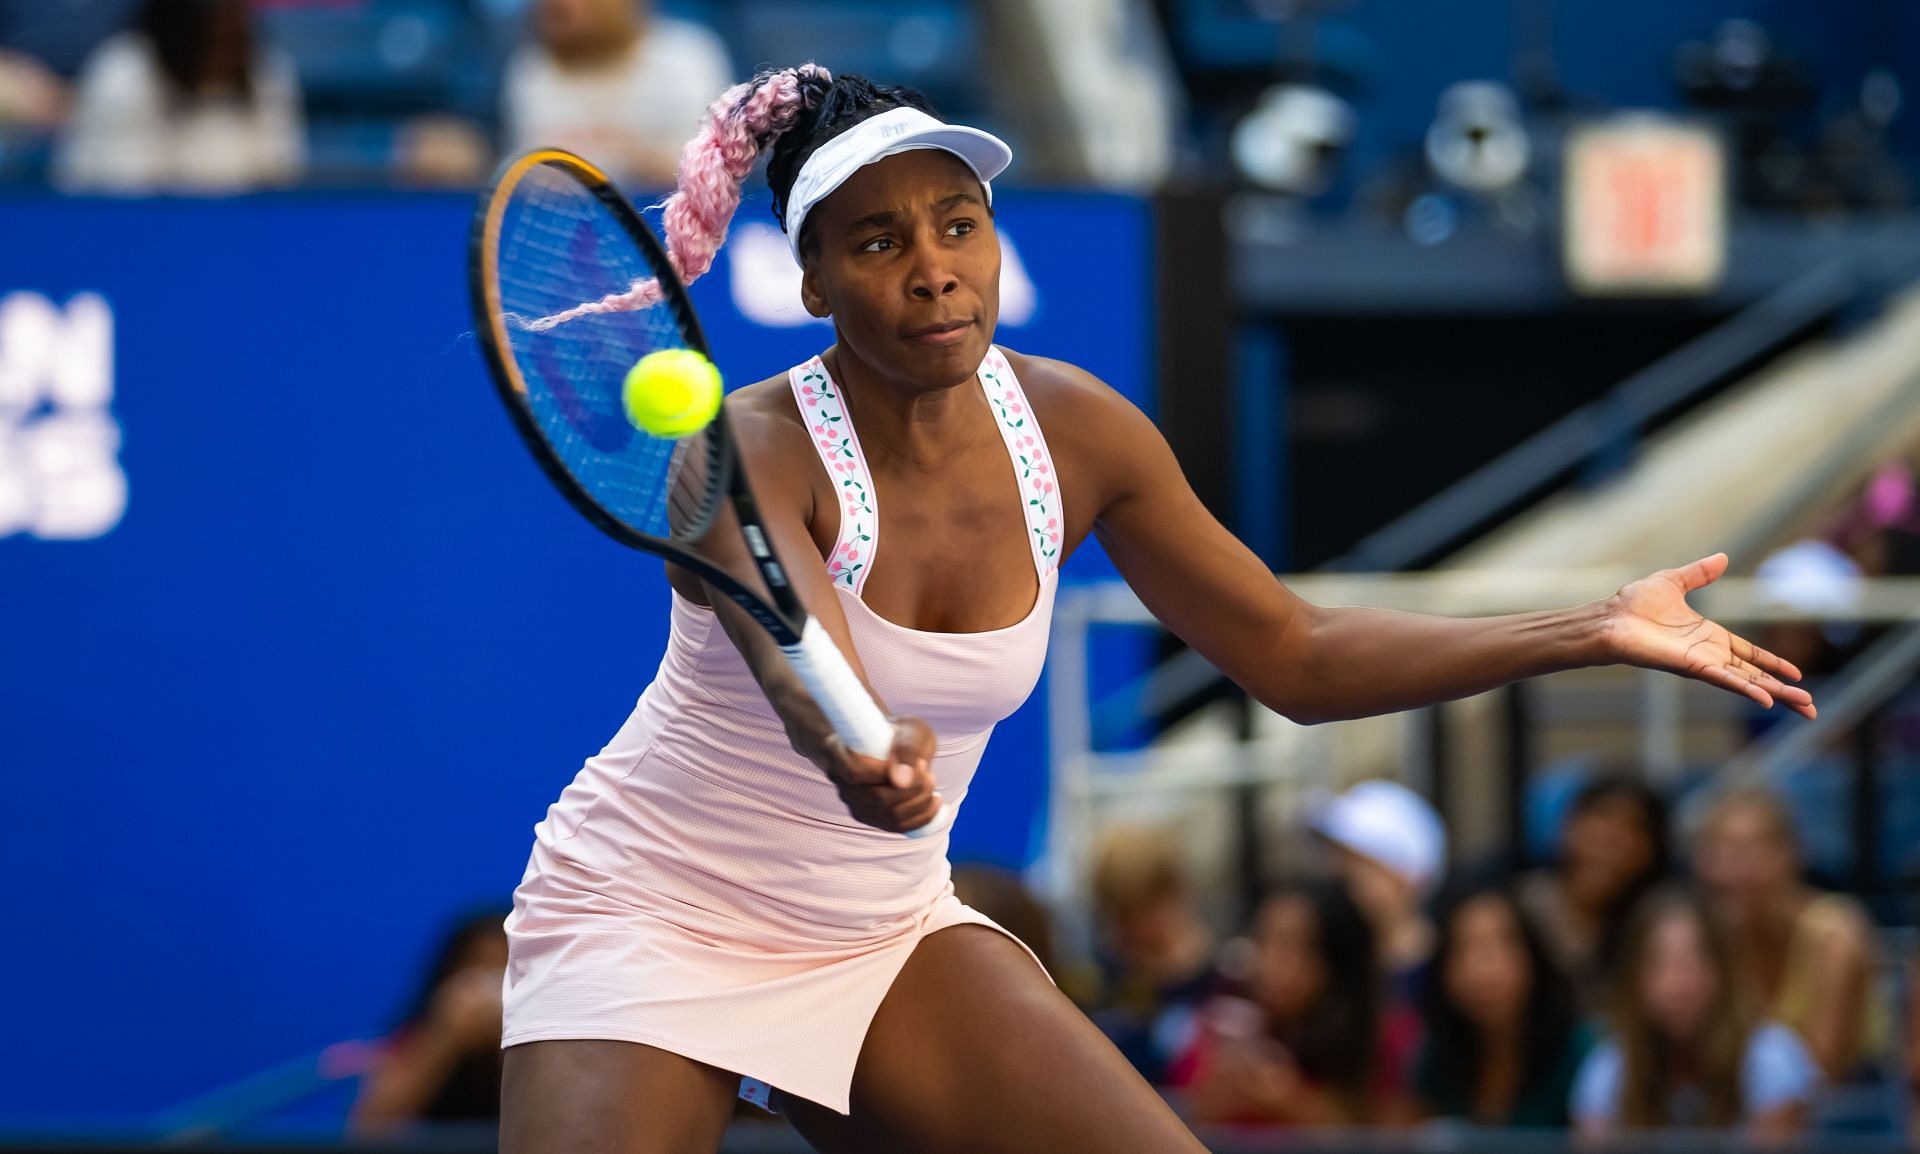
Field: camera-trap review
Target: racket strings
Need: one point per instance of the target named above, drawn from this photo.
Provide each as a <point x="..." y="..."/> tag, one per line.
<point x="558" y="247"/>
<point x="695" y="489"/>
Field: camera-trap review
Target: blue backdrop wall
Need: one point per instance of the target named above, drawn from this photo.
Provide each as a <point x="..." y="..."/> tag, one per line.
<point x="301" y="700"/>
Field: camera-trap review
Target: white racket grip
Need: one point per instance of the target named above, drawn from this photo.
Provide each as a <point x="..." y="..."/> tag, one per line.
<point x="850" y="709"/>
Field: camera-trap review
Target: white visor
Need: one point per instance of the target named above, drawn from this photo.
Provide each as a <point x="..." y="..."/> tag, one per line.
<point x="895" y="130"/>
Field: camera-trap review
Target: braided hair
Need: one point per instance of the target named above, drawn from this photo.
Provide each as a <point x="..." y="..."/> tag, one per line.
<point x="792" y="111"/>
<point x="834" y="108"/>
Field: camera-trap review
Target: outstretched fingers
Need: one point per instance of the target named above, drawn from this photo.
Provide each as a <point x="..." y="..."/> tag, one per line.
<point x="1773" y="663"/>
<point x="1729" y="678"/>
<point x="1791" y="695"/>
<point x="1743" y="678"/>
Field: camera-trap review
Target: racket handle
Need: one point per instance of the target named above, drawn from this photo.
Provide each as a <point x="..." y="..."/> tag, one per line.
<point x="850" y="709"/>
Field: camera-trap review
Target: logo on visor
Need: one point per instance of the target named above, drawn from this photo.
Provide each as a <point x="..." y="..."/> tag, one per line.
<point x="888" y="132"/>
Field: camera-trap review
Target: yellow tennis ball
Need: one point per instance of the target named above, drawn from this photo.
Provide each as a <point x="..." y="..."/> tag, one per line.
<point x="672" y="393"/>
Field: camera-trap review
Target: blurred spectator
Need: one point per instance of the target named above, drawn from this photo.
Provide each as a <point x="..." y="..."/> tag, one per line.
<point x="1503" y="1036"/>
<point x="1686" y="1046"/>
<point x="32" y="96"/>
<point x="1391" y="849"/>
<point x="1316" y="1045"/>
<point x="1910" y="1047"/>
<point x="1156" y="951"/>
<point x="1000" y="895"/>
<point x="615" y="83"/>
<point x="42" y="44"/>
<point x="438" y="150"/>
<point x="1882" y="530"/>
<point x="1874" y="534"/>
<point x="188" y="101"/>
<point x="442" y="1063"/>
<point x="1822" y="581"/>
<point x="1811" y="955"/>
<point x="1613" y="849"/>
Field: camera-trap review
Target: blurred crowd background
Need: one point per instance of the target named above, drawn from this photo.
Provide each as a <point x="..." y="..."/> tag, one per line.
<point x="1646" y="976"/>
<point x="1359" y="106"/>
<point x="1469" y="307"/>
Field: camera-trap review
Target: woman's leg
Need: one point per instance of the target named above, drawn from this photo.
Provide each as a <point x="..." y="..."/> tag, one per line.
<point x="592" y="1097"/>
<point x="973" y="1051"/>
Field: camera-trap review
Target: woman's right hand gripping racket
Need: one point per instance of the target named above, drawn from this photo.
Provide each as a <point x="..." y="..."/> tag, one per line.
<point x="570" y="290"/>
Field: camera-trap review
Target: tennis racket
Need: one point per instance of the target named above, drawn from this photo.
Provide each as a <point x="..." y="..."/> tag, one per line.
<point x="570" y="288"/>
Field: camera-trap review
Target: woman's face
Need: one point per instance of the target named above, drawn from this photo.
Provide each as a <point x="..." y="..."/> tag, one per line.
<point x="1289" y="973"/>
<point x="1678" y="978"/>
<point x="904" y="258"/>
<point x="1607" y="847"/>
<point x="1744" y="861"/>
<point x="1488" y="975"/>
<point x="1383" y="895"/>
<point x="1149" y="932"/>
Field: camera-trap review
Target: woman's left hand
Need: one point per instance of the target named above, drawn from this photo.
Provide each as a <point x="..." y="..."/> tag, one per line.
<point x="1650" y="624"/>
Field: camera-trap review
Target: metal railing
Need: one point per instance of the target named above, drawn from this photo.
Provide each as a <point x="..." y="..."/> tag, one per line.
<point x="1273" y="751"/>
<point x="1556" y="452"/>
<point x="1598" y="426"/>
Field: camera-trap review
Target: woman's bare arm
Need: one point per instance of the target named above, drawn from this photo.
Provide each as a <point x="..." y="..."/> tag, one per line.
<point x="1316" y="664"/>
<point x="463" y="1018"/>
<point x="396" y="1091"/>
<point x="1844" y="965"/>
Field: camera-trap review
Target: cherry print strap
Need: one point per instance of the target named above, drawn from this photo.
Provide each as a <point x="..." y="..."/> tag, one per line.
<point x="825" y="412"/>
<point x="1039" y="484"/>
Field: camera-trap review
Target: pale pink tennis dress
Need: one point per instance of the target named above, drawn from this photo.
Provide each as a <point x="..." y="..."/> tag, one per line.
<point x="700" y="887"/>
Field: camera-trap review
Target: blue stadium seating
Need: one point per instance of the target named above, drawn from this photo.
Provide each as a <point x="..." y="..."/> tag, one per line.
<point x="367" y="67"/>
<point x="933" y="45"/>
<point x="394" y="56"/>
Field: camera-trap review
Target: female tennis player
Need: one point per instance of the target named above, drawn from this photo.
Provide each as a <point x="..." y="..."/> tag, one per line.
<point x="722" y="898"/>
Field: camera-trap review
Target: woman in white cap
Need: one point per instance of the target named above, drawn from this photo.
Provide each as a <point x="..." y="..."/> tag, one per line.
<point x="721" y="898"/>
<point x="1391" y="850"/>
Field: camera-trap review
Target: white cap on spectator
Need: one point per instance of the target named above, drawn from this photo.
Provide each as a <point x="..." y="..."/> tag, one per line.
<point x="1391" y="824"/>
<point x="1810" y="575"/>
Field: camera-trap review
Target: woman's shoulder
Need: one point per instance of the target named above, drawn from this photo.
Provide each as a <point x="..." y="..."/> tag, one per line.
<point x="1831" y="914"/>
<point x="763" y="415"/>
<point x="1069" y="400"/>
<point x="1050" y="379"/>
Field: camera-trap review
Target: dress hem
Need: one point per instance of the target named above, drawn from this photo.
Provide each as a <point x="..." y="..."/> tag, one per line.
<point x="840" y="1104"/>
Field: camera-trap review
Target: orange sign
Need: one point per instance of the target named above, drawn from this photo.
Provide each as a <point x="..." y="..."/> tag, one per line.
<point x="1645" y="206"/>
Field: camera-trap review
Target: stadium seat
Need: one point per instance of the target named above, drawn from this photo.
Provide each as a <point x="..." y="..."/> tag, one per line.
<point x="933" y="46"/>
<point x="394" y="56"/>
